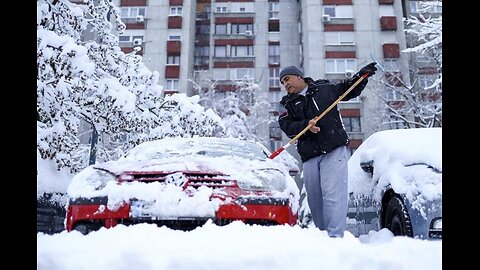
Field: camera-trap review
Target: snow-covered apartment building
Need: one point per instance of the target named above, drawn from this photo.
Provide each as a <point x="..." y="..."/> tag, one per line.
<point x="191" y="41"/>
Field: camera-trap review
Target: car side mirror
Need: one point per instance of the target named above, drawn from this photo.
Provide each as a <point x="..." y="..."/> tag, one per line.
<point x="293" y="173"/>
<point x="367" y="166"/>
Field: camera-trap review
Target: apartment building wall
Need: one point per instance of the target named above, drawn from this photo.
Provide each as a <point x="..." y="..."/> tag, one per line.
<point x="365" y="28"/>
<point x="166" y="29"/>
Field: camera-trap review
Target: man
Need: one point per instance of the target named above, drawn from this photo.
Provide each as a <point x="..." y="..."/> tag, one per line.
<point x="323" y="148"/>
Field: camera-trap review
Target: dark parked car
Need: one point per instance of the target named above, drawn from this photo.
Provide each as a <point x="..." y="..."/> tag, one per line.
<point x="183" y="182"/>
<point x="50" y="213"/>
<point x="395" y="180"/>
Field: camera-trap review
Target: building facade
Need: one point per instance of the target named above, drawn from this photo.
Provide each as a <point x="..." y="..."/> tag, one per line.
<point x="192" y="43"/>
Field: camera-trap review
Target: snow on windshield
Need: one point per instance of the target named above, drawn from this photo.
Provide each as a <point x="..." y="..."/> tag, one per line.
<point x="205" y="146"/>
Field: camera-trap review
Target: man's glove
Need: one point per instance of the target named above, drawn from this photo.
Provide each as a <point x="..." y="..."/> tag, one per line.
<point x="370" y="69"/>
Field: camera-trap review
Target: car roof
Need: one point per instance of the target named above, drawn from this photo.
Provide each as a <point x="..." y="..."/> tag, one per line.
<point x="409" y="146"/>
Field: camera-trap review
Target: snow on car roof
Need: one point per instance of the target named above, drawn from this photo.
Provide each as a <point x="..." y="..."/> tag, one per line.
<point x="409" y="160"/>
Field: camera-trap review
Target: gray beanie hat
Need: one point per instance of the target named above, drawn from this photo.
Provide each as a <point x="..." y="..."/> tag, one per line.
<point x="290" y="70"/>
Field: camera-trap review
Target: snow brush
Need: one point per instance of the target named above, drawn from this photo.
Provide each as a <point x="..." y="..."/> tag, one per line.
<point x="315" y="120"/>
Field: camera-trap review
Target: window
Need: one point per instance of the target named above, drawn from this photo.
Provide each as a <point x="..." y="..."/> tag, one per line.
<point x="172" y="84"/>
<point x="130" y="39"/>
<point x="220" y="74"/>
<point x="238" y="29"/>
<point x="201" y="60"/>
<point x="391" y="65"/>
<point x="422" y="7"/>
<point x="343" y="11"/>
<point x="207" y="9"/>
<point x="175" y="11"/>
<point x="352" y="124"/>
<point x="220" y="51"/>
<point x="329" y="10"/>
<point x="392" y="95"/>
<point x="339" y="66"/>
<point x="173" y="60"/>
<point x="221" y="9"/>
<point x="124" y="38"/>
<point x="241" y="51"/>
<point x="202" y="29"/>
<point x="242" y="6"/>
<point x="274" y="77"/>
<point x="220" y="29"/>
<point x="275" y="144"/>
<point x="274" y="54"/>
<point x="339" y="38"/>
<point x="276" y="96"/>
<point x="273" y="10"/>
<point x="395" y="123"/>
<point x="238" y="74"/>
<point x="425" y="81"/>
<point x="132" y="12"/>
<point x="422" y="58"/>
<point x="275" y="131"/>
<point x="202" y="51"/>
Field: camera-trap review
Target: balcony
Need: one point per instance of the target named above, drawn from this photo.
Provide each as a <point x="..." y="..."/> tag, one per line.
<point x="174" y="22"/>
<point x="388" y="23"/>
<point x="391" y="50"/>
<point x="386" y="2"/>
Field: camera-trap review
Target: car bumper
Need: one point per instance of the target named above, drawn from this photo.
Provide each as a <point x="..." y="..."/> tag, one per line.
<point x="264" y="211"/>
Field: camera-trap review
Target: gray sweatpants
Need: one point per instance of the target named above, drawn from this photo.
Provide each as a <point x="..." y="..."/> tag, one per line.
<point x="326" y="182"/>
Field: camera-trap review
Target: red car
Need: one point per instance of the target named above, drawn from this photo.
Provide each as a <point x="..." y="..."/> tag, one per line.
<point x="183" y="182"/>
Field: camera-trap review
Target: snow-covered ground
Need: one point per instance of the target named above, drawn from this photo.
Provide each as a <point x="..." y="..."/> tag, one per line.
<point x="231" y="247"/>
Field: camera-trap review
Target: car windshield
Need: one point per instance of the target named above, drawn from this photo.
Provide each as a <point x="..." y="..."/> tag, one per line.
<point x="205" y="146"/>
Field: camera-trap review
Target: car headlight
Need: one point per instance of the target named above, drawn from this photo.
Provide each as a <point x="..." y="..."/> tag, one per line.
<point x="100" y="178"/>
<point x="265" y="180"/>
<point x="435" y="230"/>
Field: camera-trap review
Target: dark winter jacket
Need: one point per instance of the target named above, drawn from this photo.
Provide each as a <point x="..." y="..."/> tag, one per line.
<point x="301" y="109"/>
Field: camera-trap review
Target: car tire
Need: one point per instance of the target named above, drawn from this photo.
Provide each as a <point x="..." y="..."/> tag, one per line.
<point x="397" y="219"/>
<point x="82" y="228"/>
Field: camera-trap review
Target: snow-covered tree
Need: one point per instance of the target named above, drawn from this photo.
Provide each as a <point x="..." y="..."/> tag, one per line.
<point x="242" y="111"/>
<point x="93" y="81"/>
<point x="255" y="105"/>
<point x="416" y="101"/>
<point x="427" y="30"/>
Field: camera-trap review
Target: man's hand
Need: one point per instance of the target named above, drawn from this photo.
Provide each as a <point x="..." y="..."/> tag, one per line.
<point x="313" y="129"/>
<point x="370" y="69"/>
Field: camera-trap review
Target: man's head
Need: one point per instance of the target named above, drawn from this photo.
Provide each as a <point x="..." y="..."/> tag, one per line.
<point x="292" y="78"/>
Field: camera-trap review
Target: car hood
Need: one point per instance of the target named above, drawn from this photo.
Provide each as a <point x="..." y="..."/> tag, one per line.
<point x="245" y="171"/>
<point x="232" y="166"/>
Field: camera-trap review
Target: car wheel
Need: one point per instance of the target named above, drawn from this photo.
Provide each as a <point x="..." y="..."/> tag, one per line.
<point x="397" y="219"/>
<point x="83" y="228"/>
